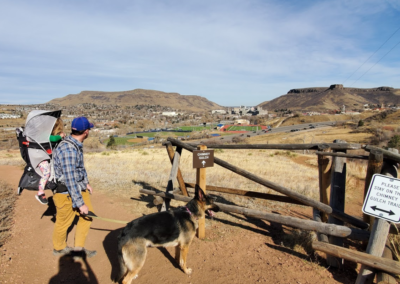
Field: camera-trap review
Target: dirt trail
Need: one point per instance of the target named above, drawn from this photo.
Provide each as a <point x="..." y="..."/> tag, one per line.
<point x="247" y="251"/>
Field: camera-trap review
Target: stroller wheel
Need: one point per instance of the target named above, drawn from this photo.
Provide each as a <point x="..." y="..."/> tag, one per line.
<point x="19" y="190"/>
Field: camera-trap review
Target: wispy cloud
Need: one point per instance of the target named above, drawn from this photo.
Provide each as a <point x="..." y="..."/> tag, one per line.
<point x="231" y="52"/>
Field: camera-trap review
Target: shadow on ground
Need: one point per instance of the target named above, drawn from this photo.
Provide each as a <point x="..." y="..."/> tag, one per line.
<point x="73" y="269"/>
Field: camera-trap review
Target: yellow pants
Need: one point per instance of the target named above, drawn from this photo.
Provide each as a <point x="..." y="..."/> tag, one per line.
<point x="64" y="218"/>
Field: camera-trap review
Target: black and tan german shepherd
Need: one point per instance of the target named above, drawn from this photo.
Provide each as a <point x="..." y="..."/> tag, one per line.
<point x="175" y="227"/>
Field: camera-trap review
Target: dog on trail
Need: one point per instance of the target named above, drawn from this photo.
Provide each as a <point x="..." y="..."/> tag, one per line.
<point x="175" y="227"/>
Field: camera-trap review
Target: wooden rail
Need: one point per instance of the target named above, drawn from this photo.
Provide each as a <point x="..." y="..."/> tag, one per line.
<point x="334" y="146"/>
<point x="329" y="219"/>
<point x="360" y="257"/>
<point x="246" y="193"/>
<point x="361" y="157"/>
<point x="386" y="154"/>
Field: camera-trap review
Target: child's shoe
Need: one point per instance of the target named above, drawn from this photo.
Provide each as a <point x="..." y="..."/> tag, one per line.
<point x="42" y="198"/>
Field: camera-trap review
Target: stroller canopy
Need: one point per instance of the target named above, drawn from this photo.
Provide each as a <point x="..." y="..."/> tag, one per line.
<point x="39" y="124"/>
<point x="35" y="146"/>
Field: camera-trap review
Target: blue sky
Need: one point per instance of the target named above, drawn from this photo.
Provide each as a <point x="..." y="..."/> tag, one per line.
<point x="233" y="52"/>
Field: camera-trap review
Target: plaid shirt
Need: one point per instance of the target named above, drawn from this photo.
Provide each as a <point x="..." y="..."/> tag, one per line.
<point x="70" y="169"/>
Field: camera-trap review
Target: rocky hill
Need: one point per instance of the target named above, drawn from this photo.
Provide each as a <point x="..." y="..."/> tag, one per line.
<point x="139" y="97"/>
<point x="333" y="98"/>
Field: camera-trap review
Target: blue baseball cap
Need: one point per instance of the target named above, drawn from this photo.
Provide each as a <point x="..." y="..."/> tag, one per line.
<point x="81" y="123"/>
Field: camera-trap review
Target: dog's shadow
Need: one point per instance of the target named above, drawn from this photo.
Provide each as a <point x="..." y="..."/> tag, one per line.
<point x="166" y="253"/>
<point x="110" y="245"/>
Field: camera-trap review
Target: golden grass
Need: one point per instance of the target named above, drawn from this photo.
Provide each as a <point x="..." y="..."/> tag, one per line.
<point x="11" y="158"/>
<point x="7" y="201"/>
<point x="124" y="173"/>
<point x="318" y="135"/>
<point x="352" y="119"/>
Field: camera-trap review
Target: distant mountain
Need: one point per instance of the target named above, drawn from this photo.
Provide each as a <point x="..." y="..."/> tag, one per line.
<point x="333" y="98"/>
<point x="139" y="97"/>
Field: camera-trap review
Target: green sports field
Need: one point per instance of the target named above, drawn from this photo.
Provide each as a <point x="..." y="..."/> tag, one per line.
<point x="243" y="128"/>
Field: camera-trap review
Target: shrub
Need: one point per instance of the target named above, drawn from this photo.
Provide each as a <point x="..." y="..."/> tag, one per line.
<point x="7" y="201"/>
<point x="111" y="142"/>
<point x="238" y="139"/>
<point x="394" y="142"/>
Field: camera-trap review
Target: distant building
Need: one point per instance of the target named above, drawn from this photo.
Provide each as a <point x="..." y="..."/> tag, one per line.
<point x="7" y="115"/>
<point x="220" y="111"/>
<point x="352" y="112"/>
<point x="247" y="111"/>
<point x="169" y="113"/>
<point x="311" y="113"/>
<point x="242" y="122"/>
<point x="219" y="126"/>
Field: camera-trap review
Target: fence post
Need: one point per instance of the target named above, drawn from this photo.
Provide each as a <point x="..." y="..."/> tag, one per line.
<point x="201" y="182"/>
<point x="375" y="162"/>
<point x="317" y="217"/>
<point x="337" y="201"/>
<point x="181" y="182"/>
<point x="379" y="233"/>
<point x="324" y="178"/>
<point x="172" y="177"/>
<point x="389" y="169"/>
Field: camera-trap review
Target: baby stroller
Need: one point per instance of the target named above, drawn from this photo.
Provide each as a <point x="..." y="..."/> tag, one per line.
<point x="35" y="146"/>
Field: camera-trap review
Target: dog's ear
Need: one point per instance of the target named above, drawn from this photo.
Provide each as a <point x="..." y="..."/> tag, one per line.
<point x="199" y="193"/>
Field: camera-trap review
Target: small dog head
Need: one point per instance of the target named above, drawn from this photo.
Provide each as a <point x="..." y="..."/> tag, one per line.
<point x="206" y="202"/>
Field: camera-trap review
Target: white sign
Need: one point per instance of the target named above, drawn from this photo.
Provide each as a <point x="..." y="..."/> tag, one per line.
<point x="383" y="198"/>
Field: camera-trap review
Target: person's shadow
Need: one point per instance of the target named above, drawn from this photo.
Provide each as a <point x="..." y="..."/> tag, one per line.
<point x="74" y="271"/>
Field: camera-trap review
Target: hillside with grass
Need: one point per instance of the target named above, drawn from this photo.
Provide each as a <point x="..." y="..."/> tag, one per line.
<point x="139" y="97"/>
<point x="333" y="98"/>
<point x="378" y="129"/>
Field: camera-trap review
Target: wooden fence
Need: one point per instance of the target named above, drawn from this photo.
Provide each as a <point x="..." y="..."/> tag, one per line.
<point x="330" y="222"/>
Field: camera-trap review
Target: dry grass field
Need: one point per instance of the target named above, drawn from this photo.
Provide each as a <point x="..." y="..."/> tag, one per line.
<point x="124" y="173"/>
<point x="318" y="135"/>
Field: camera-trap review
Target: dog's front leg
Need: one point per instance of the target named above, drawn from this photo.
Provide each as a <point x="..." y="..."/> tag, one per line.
<point x="184" y="249"/>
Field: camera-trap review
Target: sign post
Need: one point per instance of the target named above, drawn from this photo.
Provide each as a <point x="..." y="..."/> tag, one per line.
<point x="383" y="198"/>
<point x="382" y="201"/>
<point x="202" y="158"/>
